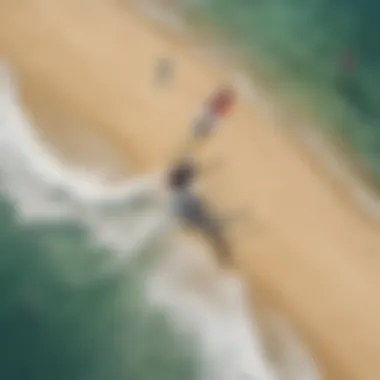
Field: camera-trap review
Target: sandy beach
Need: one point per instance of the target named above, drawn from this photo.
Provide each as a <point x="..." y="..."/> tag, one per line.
<point x="87" y="68"/>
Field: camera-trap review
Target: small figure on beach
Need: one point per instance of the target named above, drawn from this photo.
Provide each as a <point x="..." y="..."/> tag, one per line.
<point x="214" y="109"/>
<point x="192" y="211"/>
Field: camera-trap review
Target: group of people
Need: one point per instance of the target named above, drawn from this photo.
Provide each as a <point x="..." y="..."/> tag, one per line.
<point x="188" y="207"/>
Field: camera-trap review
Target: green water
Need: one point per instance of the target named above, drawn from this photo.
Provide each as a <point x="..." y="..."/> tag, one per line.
<point x="69" y="312"/>
<point x="308" y="45"/>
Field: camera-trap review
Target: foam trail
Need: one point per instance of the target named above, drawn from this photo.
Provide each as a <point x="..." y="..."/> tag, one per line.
<point x="44" y="188"/>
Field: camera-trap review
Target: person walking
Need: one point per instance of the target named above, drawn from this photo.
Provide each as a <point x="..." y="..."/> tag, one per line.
<point x="204" y="124"/>
<point x="192" y="211"/>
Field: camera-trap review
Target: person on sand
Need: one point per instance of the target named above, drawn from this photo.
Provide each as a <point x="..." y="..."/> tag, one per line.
<point x="215" y="108"/>
<point x="192" y="211"/>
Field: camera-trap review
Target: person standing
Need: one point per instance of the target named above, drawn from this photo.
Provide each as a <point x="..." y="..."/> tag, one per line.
<point x="215" y="108"/>
<point x="192" y="211"/>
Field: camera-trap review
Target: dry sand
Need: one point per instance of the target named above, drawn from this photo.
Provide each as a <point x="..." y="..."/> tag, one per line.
<point x="313" y="256"/>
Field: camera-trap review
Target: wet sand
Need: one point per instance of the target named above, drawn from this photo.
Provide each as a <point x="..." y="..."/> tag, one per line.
<point x="311" y="256"/>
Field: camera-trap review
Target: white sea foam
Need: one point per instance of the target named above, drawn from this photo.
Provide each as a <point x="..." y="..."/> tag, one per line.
<point x="200" y="298"/>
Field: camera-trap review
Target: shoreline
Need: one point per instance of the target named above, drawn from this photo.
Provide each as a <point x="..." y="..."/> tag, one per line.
<point x="276" y="203"/>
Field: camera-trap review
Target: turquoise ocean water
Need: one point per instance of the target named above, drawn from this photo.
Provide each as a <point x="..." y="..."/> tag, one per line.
<point x="95" y="285"/>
